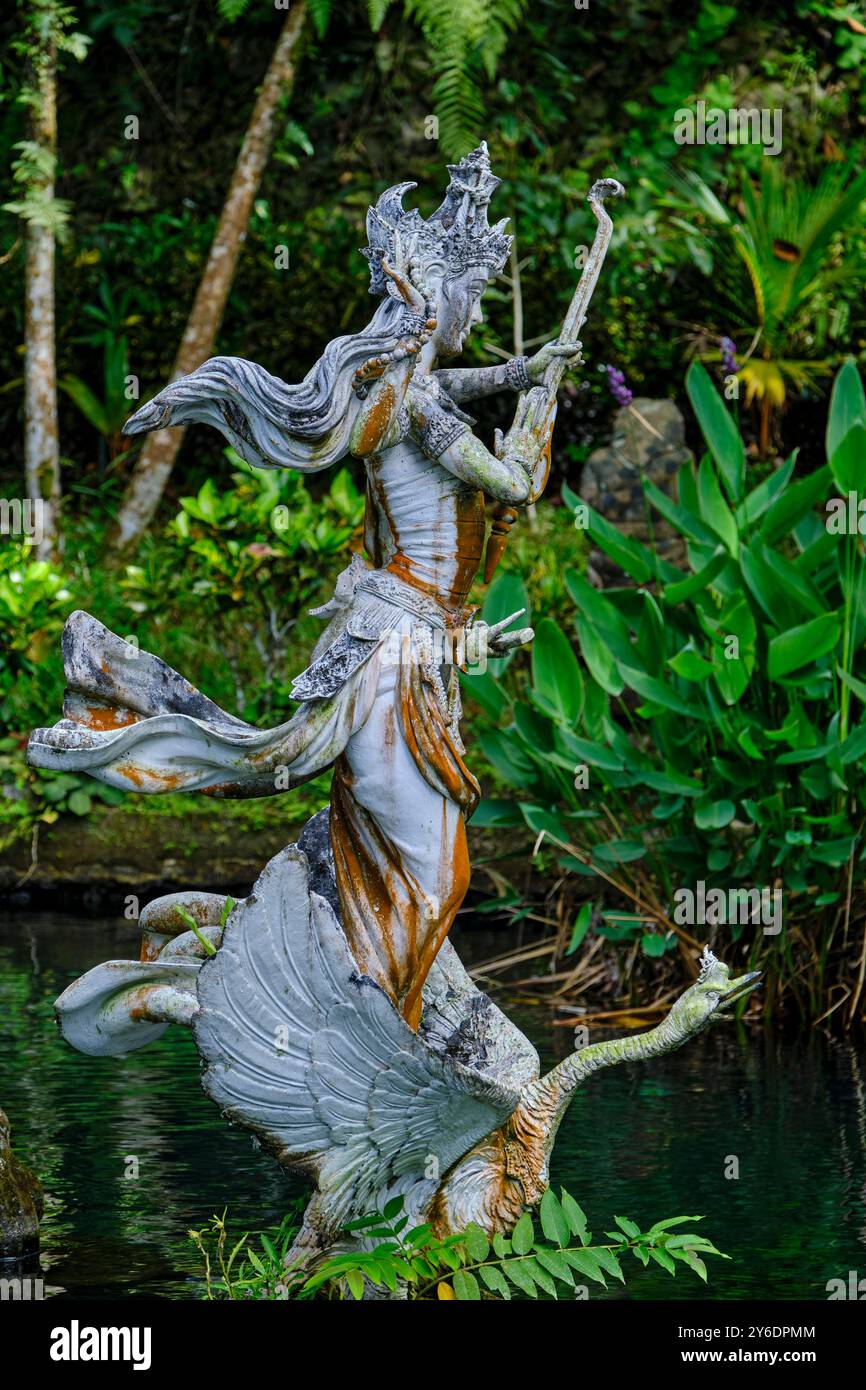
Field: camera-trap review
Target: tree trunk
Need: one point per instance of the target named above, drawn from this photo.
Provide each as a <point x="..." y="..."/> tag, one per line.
<point x="156" y="460"/>
<point x="41" y="439"/>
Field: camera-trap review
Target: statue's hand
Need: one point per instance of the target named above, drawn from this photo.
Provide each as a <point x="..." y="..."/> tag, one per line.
<point x="539" y="363"/>
<point x="527" y="437"/>
<point x="497" y="641"/>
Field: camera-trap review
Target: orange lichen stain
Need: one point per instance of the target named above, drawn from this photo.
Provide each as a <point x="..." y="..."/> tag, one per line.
<point x="167" y="781"/>
<point x="101" y="718"/>
<point x="132" y="773"/>
<point x="377" y="420"/>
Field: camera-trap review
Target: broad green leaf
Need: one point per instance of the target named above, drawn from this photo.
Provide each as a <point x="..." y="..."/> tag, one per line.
<point x="635" y="559"/>
<point x="800" y="646"/>
<point x="466" y="1286"/>
<point x="719" y="430"/>
<point x="555" y="1264"/>
<point x="662" y="1258"/>
<point x="631" y="1228"/>
<point x="598" y="657"/>
<point x="553" y="1220"/>
<point x="752" y="508"/>
<point x="684" y="521"/>
<point x="689" y="664"/>
<point x="847" y="405"/>
<point x="858" y="686"/>
<point x="485" y="690"/>
<point x="714" y="509"/>
<point x="653" y="944"/>
<point x="523" y="1235"/>
<point x="848" y="461"/>
<point x="609" y="1262"/>
<point x="573" y="1214"/>
<point x="795" y="502"/>
<point x="506" y="595"/>
<point x="477" y="1243"/>
<point x="713" y="815"/>
<point x="580" y="928"/>
<point x="540" y="1275"/>
<point x="586" y="1262"/>
<point x="495" y="1281"/>
<point x="596" y="754"/>
<point x="687" y="588"/>
<point x="660" y="694"/>
<point x="355" y="1280"/>
<point x="520" y="1276"/>
<point x="556" y="676"/>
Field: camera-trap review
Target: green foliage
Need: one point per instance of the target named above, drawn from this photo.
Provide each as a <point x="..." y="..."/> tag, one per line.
<point x="467" y="1267"/>
<point x="711" y="722"/>
<point x="787" y="267"/>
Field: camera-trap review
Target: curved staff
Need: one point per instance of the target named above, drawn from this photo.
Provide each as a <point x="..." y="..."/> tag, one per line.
<point x="539" y="404"/>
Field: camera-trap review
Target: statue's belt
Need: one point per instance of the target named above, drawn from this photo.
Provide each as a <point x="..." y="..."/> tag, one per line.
<point x="367" y="626"/>
<point x="388" y="587"/>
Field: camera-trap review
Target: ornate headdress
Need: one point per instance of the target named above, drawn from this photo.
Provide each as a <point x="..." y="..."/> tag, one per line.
<point x="456" y="236"/>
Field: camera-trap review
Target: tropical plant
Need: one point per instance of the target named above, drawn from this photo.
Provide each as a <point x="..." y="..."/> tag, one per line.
<point x="787" y="267"/>
<point x="466" y="1267"/>
<point x="708" y="735"/>
<point x="108" y="414"/>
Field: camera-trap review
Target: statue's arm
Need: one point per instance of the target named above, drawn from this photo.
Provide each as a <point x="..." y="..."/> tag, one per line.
<point x="471" y="383"/>
<point x="376" y="422"/>
<point x="506" y="477"/>
<point x="518" y="374"/>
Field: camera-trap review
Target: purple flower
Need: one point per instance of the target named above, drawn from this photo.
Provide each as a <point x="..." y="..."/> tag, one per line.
<point x="617" y="387"/>
<point x="728" y="349"/>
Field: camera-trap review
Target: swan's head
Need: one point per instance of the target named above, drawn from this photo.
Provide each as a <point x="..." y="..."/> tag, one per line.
<point x="711" y="997"/>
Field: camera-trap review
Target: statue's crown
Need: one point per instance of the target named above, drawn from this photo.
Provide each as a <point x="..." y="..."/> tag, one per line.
<point x="708" y="963"/>
<point x="456" y="236"/>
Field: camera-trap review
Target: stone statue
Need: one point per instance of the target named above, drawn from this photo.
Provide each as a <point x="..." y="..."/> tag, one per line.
<point x="334" y="1018"/>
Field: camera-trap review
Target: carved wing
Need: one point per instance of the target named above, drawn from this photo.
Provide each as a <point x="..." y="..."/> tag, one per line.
<point x="312" y="1056"/>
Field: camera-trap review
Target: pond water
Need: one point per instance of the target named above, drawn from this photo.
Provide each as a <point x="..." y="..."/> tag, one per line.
<point x="643" y="1141"/>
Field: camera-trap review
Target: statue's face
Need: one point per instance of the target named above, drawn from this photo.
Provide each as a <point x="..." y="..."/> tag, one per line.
<point x="458" y="309"/>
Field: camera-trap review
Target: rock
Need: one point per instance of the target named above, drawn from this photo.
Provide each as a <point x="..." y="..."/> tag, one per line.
<point x="648" y="441"/>
<point x="20" y="1201"/>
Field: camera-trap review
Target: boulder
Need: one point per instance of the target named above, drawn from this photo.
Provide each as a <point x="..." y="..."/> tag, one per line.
<point x="648" y="441"/>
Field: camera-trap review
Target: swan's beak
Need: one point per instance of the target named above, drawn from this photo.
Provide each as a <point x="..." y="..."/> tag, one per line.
<point x="739" y="988"/>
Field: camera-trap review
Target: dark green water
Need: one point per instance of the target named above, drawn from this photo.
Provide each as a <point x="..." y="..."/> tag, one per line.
<point x="643" y="1141"/>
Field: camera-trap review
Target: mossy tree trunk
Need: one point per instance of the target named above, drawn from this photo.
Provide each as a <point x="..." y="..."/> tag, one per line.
<point x="156" y="460"/>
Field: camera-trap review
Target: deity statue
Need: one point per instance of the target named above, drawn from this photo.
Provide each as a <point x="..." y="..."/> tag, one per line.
<point x="380" y="700"/>
<point x="334" y="1018"/>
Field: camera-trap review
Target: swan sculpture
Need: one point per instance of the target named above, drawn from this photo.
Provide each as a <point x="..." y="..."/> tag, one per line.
<point x="313" y="1057"/>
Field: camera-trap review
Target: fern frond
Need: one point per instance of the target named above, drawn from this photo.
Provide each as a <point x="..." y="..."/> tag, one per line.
<point x="320" y="13"/>
<point x="232" y="9"/>
<point x="377" y="10"/>
<point x="465" y="37"/>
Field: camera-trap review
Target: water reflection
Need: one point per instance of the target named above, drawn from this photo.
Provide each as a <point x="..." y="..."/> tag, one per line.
<point x="132" y="1153"/>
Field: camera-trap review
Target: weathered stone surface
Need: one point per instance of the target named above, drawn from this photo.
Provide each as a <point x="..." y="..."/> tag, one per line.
<point x="651" y="447"/>
<point x="20" y="1201"/>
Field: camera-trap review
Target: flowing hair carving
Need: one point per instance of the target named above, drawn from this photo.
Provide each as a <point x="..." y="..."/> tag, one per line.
<point x="271" y="424"/>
